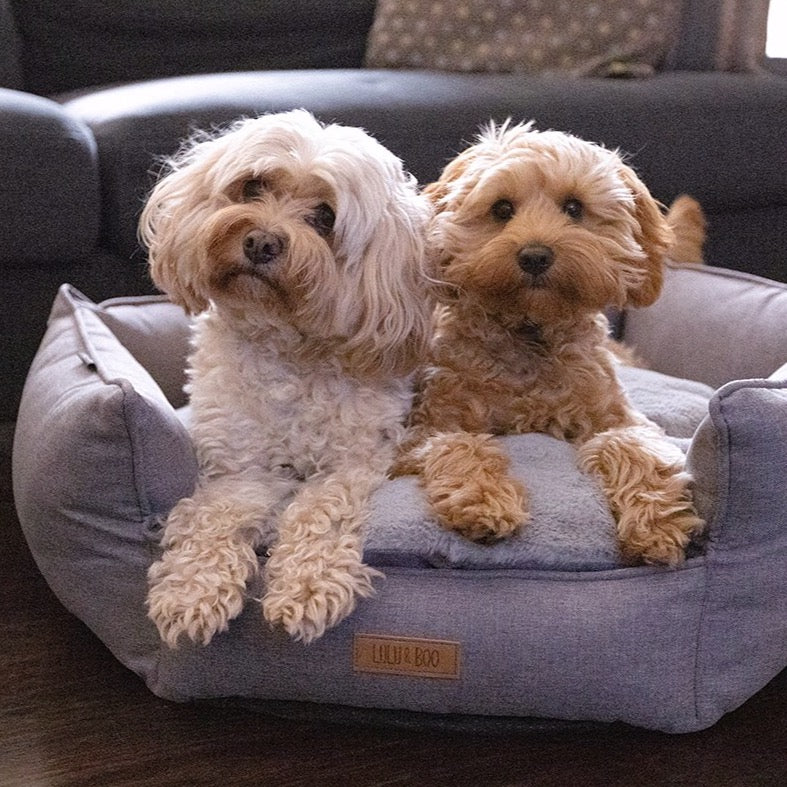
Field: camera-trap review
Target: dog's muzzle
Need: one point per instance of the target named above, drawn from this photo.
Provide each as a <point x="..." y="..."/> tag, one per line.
<point x="535" y="259"/>
<point x="262" y="248"/>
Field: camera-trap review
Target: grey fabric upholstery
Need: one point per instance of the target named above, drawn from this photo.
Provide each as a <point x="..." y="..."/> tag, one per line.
<point x="714" y="316"/>
<point x="551" y="627"/>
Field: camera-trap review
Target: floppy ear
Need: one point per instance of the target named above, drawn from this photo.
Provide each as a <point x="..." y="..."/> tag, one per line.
<point x="395" y="290"/>
<point x="443" y="194"/>
<point x="654" y="236"/>
<point x="163" y="229"/>
<point x="438" y="191"/>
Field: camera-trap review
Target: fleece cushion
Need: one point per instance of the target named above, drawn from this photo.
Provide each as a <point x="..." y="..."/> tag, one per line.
<point x="545" y="625"/>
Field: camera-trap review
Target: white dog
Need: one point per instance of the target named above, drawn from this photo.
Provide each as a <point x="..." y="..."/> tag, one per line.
<point x="302" y="246"/>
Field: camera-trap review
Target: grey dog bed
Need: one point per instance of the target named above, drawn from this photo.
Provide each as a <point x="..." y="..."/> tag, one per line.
<point x="548" y="624"/>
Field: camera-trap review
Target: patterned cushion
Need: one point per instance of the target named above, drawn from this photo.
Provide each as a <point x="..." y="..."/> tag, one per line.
<point x="523" y="35"/>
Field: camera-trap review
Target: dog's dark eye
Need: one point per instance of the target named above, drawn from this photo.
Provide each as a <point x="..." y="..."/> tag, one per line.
<point x="503" y="210"/>
<point x="252" y="189"/>
<point x="323" y="219"/>
<point x="573" y="208"/>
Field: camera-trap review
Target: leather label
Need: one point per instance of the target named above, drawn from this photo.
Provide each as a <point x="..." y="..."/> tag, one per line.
<point x="422" y="658"/>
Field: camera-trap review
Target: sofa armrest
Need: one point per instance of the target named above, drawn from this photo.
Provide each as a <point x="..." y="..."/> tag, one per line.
<point x="712" y="325"/>
<point x="49" y="200"/>
<point x="10" y="72"/>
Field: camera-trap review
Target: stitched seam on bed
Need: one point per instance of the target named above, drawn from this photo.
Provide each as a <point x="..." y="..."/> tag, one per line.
<point x="156" y="652"/>
<point x="535" y="575"/>
<point x="723" y="473"/>
<point x="136" y="451"/>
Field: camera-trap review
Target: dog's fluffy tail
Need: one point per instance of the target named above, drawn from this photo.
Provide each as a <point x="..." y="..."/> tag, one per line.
<point x="687" y="221"/>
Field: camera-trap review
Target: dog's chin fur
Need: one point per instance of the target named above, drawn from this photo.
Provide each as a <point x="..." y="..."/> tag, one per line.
<point x="302" y="248"/>
<point x="522" y="346"/>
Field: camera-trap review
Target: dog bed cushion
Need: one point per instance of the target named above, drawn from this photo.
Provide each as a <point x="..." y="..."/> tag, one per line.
<point x="547" y="624"/>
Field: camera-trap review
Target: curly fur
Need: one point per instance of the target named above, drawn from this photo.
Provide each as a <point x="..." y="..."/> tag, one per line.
<point x="536" y="233"/>
<point x="301" y="247"/>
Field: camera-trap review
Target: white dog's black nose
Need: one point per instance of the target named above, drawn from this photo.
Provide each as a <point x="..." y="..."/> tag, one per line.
<point x="535" y="259"/>
<point x="261" y="247"/>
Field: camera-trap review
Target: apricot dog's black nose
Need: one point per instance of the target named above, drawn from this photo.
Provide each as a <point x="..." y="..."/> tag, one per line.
<point x="261" y="248"/>
<point x="535" y="259"/>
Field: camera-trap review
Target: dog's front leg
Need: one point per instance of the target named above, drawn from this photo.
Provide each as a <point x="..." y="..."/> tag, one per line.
<point x="648" y="489"/>
<point x="315" y="571"/>
<point x="199" y="583"/>
<point x="467" y="484"/>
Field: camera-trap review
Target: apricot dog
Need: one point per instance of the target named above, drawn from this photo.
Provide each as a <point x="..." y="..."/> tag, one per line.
<point x="536" y="234"/>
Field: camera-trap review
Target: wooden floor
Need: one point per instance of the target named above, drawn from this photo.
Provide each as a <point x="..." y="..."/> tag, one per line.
<point x="71" y="715"/>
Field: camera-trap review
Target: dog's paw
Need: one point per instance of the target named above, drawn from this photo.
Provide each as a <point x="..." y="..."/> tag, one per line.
<point x="481" y="513"/>
<point x="190" y="598"/>
<point x="466" y="481"/>
<point x="648" y="535"/>
<point x="648" y="490"/>
<point x="309" y="593"/>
